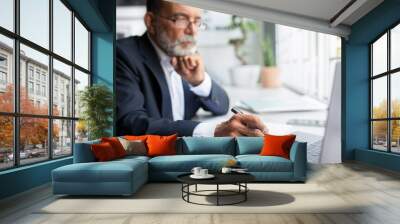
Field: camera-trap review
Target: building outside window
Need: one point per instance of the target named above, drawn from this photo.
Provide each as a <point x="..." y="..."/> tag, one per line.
<point x="43" y="90"/>
<point x="3" y="61"/>
<point x="37" y="74"/>
<point x="38" y="89"/>
<point x="385" y="91"/>
<point x="30" y="87"/>
<point x="56" y="127"/>
<point x="30" y="72"/>
<point x="3" y="78"/>
<point x="3" y="71"/>
<point x="44" y="77"/>
<point x="55" y="97"/>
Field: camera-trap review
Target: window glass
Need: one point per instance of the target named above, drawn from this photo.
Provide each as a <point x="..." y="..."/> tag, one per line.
<point x="379" y="135"/>
<point x="62" y="138"/>
<point x="33" y="140"/>
<point x="7" y="14"/>
<point x="379" y="56"/>
<point x="39" y="62"/>
<point x="34" y="80"/>
<point x="395" y="94"/>
<point x="395" y="47"/>
<point x="379" y="97"/>
<point x="6" y="74"/>
<point x="395" y="138"/>
<point x="62" y="91"/>
<point x="81" y="131"/>
<point x="62" y="29"/>
<point x="81" y="45"/>
<point x="6" y="142"/>
<point x="30" y="87"/>
<point x="34" y="21"/>
<point x="81" y="81"/>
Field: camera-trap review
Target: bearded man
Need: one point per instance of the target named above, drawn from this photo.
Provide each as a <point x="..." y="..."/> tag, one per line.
<point x="161" y="81"/>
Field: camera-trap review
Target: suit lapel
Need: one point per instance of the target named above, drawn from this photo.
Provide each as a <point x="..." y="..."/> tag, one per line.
<point x="152" y="62"/>
<point x="187" y="98"/>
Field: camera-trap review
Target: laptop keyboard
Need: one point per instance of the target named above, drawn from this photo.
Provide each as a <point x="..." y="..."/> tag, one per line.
<point x="314" y="145"/>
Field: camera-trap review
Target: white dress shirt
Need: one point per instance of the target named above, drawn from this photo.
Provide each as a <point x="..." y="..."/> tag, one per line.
<point x="175" y="88"/>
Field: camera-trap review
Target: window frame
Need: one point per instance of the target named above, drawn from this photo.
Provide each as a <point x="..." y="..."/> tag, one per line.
<point x="16" y="115"/>
<point x="388" y="74"/>
<point x="3" y="70"/>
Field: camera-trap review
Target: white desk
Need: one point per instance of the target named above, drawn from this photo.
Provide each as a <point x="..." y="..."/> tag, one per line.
<point x="275" y="120"/>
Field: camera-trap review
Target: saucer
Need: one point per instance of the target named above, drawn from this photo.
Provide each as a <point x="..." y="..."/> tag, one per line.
<point x="208" y="176"/>
<point x="240" y="171"/>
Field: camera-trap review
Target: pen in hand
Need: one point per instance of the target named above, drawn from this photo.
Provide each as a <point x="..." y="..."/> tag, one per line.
<point x="236" y="110"/>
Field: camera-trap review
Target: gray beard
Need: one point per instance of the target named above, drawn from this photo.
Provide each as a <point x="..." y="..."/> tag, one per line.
<point x="174" y="48"/>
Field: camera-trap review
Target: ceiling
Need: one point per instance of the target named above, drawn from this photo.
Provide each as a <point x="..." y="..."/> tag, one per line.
<point x="326" y="16"/>
<point x="322" y="9"/>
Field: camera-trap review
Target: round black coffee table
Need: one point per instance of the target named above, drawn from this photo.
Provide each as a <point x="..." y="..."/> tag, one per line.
<point x="238" y="179"/>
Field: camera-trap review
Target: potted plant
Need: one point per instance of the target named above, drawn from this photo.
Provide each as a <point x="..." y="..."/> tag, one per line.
<point x="269" y="74"/>
<point x="246" y="74"/>
<point x="96" y="102"/>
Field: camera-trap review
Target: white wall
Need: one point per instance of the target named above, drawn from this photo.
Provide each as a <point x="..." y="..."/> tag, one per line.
<point x="307" y="59"/>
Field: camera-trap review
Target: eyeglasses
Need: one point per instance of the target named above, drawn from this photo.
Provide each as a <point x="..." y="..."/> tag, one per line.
<point x="183" y="22"/>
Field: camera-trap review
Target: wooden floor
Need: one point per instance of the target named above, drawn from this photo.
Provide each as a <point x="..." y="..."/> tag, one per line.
<point x="378" y="188"/>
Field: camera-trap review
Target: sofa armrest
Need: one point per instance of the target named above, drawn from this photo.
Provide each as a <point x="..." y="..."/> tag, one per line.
<point x="83" y="152"/>
<point x="298" y="155"/>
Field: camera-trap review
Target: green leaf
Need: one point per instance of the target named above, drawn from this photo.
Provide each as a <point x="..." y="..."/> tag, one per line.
<point x="268" y="52"/>
<point x="96" y="102"/>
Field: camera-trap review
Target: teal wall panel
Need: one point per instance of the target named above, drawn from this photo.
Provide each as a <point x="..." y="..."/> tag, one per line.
<point x="355" y="89"/>
<point x="103" y="51"/>
<point x="24" y="178"/>
<point x="89" y="11"/>
<point x="103" y="63"/>
<point x="357" y="99"/>
<point x="376" y="158"/>
<point x="103" y="59"/>
<point x="99" y="16"/>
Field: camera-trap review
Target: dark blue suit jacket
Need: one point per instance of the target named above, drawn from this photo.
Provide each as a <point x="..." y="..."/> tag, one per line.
<point x="143" y="100"/>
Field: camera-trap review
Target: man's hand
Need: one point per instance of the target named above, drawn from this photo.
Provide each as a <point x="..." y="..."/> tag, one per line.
<point x="191" y="68"/>
<point x="241" y="125"/>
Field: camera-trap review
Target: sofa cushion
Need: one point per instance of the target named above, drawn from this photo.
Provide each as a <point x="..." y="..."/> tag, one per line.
<point x="257" y="163"/>
<point x="136" y="137"/>
<point x="161" y="145"/>
<point x="185" y="163"/>
<point x="112" y="171"/>
<point x="132" y="158"/>
<point x="103" y="152"/>
<point x="134" y="147"/>
<point x="275" y="145"/>
<point x="116" y="145"/>
<point x="206" y="145"/>
<point x="249" y="145"/>
<point x="83" y="152"/>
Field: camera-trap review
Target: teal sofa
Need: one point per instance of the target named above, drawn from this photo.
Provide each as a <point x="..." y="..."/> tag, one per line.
<point x="125" y="176"/>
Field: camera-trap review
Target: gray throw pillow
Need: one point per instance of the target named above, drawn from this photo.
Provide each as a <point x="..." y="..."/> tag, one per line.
<point x="136" y="147"/>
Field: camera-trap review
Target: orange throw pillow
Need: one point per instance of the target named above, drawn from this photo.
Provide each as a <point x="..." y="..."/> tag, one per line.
<point x="161" y="145"/>
<point x="136" y="137"/>
<point x="116" y="145"/>
<point x="277" y="145"/>
<point x="103" y="152"/>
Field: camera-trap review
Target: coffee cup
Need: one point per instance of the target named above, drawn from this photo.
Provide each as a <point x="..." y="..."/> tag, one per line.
<point x="226" y="170"/>
<point x="203" y="172"/>
<point x="196" y="171"/>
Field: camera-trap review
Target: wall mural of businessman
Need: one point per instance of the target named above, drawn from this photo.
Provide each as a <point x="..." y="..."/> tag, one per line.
<point x="161" y="80"/>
